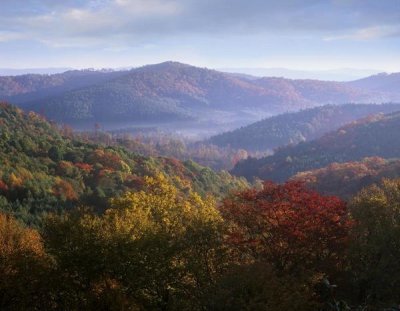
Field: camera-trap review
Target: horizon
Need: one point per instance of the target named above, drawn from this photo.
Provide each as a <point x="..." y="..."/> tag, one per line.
<point x="339" y="74"/>
<point x="296" y="35"/>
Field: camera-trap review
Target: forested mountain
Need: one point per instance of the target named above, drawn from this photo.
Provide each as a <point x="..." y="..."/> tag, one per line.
<point x="172" y="91"/>
<point x="347" y="179"/>
<point x="295" y="127"/>
<point x="373" y="136"/>
<point x="382" y="82"/>
<point x="46" y="170"/>
<point x="36" y="87"/>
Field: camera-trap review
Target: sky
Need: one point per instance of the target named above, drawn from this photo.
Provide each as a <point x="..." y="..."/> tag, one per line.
<point x="294" y="34"/>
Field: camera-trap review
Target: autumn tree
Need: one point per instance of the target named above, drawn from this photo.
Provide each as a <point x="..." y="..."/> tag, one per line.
<point x="156" y="249"/>
<point x="288" y="226"/>
<point x="375" y="247"/>
<point x="24" y="268"/>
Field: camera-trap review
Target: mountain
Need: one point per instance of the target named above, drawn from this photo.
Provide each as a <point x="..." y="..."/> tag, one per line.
<point x="344" y="74"/>
<point x="169" y="92"/>
<point x="37" y="87"/>
<point x="22" y="71"/>
<point x="373" y="136"/>
<point x="383" y="82"/>
<point x="347" y="179"/>
<point x="44" y="169"/>
<point x="295" y="127"/>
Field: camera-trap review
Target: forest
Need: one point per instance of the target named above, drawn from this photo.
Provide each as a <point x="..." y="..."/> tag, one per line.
<point x="188" y="155"/>
<point x="88" y="223"/>
<point x="372" y="136"/>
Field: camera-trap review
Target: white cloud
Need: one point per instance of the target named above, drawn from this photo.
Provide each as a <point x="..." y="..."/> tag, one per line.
<point x="369" y="33"/>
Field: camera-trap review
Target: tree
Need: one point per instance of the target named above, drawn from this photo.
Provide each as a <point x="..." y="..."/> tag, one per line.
<point x="375" y="247"/>
<point x="288" y="226"/>
<point x="55" y="153"/>
<point x="24" y="268"/>
<point x="289" y="234"/>
<point x="156" y="249"/>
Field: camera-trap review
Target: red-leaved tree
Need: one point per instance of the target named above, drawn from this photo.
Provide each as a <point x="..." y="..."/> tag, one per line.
<point x="288" y="226"/>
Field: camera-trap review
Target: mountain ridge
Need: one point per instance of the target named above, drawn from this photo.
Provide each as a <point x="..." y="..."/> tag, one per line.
<point x="374" y="136"/>
<point x="173" y="91"/>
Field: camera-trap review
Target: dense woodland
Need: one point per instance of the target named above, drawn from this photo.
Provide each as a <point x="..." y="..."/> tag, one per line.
<point x="171" y="92"/>
<point x="295" y="127"/>
<point x="46" y="170"/>
<point x="347" y="179"/>
<point x="166" y="145"/>
<point x="279" y="247"/>
<point x="105" y="221"/>
<point x="372" y="136"/>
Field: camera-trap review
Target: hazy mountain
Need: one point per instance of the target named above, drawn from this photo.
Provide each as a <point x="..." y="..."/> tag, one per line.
<point x="36" y="87"/>
<point x="172" y="91"/>
<point x="344" y="74"/>
<point x="382" y="82"/>
<point x="23" y="71"/>
<point x="370" y="137"/>
<point x="295" y="127"/>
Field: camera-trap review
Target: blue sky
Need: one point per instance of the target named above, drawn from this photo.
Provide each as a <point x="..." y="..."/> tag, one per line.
<point x="296" y="34"/>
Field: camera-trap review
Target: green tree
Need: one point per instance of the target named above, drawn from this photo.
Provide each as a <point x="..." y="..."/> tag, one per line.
<point x="375" y="248"/>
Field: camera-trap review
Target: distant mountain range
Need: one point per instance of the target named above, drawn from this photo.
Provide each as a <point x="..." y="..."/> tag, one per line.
<point x="173" y="91"/>
<point x="295" y="127"/>
<point x="376" y="136"/>
<point x="344" y="74"/>
<point x="24" y="71"/>
<point x="382" y="82"/>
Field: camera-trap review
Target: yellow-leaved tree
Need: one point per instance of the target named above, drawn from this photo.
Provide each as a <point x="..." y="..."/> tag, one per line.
<point x="154" y="249"/>
<point x="24" y="267"/>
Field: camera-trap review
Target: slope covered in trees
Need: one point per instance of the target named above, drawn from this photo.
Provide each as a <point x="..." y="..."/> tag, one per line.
<point x="374" y="136"/>
<point x="161" y="249"/>
<point x="46" y="170"/>
<point x="172" y="91"/>
<point x="347" y="179"/>
<point x="382" y="82"/>
<point x="295" y="127"/>
<point x="29" y="87"/>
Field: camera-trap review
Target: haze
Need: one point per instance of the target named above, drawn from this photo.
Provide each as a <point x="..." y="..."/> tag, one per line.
<point x="312" y="36"/>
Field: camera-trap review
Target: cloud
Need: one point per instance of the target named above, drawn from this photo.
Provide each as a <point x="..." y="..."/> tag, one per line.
<point x="369" y="33"/>
<point x="110" y="22"/>
<point x="6" y="36"/>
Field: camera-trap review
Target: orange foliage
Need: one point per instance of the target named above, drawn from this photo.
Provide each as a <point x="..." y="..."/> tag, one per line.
<point x="107" y="159"/>
<point x="84" y="166"/>
<point x="64" y="188"/>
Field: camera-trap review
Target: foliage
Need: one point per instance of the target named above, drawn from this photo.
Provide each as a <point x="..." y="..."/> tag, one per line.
<point x="375" y="247"/>
<point x="160" y="144"/>
<point x="375" y="136"/>
<point x="292" y="228"/>
<point x="347" y="179"/>
<point x="23" y="267"/>
<point x="156" y="249"/>
<point x="292" y="128"/>
<point x="45" y="170"/>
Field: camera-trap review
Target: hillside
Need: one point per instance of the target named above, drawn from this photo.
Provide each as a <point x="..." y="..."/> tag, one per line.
<point x="172" y="91"/>
<point x="347" y="179"/>
<point x="370" y="137"/>
<point x="295" y="127"/>
<point x="382" y="82"/>
<point x="36" y="87"/>
<point x="43" y="169"/>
